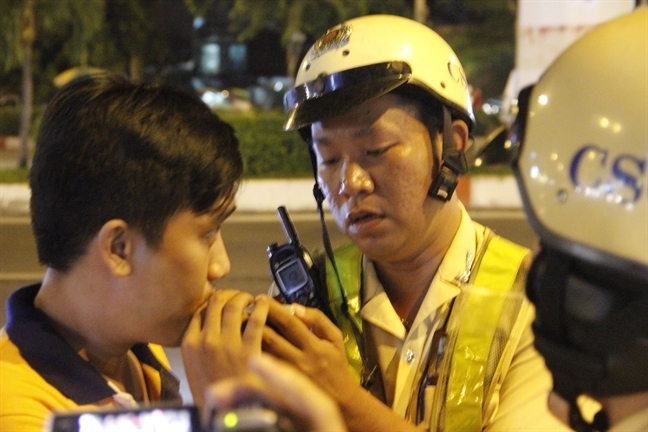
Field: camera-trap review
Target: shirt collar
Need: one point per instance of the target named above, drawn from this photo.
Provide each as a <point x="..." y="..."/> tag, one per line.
<point x="377" y="308"/>
<point x="461" y="252"/>
<point x="57" y="362"/>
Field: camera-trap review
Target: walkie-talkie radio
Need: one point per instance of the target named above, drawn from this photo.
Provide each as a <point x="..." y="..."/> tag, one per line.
<point x="291" y="266"/>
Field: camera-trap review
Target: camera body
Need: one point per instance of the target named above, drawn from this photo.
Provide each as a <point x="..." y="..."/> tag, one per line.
<point x="246" y="418"/>
<point x="292" y="267"/>
<point x="159" y="417"/>
<point x="250" y="417"/>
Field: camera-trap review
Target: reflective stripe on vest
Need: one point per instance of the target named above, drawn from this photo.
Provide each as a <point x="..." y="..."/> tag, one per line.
<point x="475" y="345"/>
<point x="478" y="333"/>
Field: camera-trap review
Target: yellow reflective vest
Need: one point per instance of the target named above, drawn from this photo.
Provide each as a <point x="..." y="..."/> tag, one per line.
<point x="492" y="298"/>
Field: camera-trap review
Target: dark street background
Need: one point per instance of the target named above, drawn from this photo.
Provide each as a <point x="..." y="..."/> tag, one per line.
<point x="246" y="237"/>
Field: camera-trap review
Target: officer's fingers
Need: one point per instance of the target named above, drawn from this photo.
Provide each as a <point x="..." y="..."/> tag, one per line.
<point x="284" y="319"/>
<point x="319" y="324"/>
<point x="314" y="320"/>
<point x="274" y="343"/>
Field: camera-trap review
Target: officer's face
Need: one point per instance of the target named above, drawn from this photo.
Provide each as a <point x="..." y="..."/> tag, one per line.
<point x="375" y="166"/>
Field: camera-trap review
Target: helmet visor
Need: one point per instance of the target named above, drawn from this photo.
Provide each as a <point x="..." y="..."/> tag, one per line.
<point x="336" y="93"/>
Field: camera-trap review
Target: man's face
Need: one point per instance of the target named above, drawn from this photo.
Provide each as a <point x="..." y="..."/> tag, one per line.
<point x="375" y="165"/>
<point x="174" y="279"/>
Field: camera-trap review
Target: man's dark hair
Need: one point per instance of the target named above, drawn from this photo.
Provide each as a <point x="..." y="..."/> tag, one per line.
<point x="108" y="148"/>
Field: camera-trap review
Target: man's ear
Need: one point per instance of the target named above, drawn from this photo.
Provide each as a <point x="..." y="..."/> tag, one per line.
<point x="460" y="134"/>
<point x="116" y="240"/>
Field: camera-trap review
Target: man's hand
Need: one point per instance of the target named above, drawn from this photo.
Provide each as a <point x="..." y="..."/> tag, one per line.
<point x="221" y="338"/>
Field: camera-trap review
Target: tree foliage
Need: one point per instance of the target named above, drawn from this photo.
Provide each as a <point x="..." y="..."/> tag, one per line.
<point x="312" y="17"/>
<point x="63" y="32"/>
<point x="72" y="23"/>
<point x="10" y="23"/>
<point x="482" y="33"/>
<point x="130" y="38"/>
<point x="117" y="35"/>
<point x="198" y="8"/>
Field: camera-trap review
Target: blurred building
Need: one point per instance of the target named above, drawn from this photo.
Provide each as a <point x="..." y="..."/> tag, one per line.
<point x="225" y="71"/>
<point x="544" y="30"/>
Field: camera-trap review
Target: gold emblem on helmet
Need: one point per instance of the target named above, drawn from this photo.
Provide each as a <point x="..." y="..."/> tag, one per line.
<point x="457" y="72"/>
<point x="335" y="38"/>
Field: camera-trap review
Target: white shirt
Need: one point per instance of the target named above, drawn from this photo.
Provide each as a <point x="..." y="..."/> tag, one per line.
<point x="394" y="345"/>
<point x="520" y="400"/>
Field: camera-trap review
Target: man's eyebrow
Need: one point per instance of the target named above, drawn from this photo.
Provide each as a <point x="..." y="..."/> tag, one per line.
<point x="358" y="133"/>
<point x="364" y="131"/>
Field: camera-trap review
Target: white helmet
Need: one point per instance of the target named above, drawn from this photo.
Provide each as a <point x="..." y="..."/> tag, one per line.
<point x="369" y="56"/>
<point x="581" y="138"/>
<point x="582" y="164"/>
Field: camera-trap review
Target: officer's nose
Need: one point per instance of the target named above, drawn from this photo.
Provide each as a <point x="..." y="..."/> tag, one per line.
<point x="354" y="179"/>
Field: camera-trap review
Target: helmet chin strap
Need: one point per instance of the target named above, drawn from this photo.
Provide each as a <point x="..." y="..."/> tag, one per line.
<point x="367" y="378"/>
<point x="454" y="163"/>
<point x="576" y="421"/>
<point x="600" y="423"/>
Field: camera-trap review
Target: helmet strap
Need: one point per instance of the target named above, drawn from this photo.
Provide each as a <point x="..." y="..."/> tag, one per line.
<point x="570" y="393"/>
<point x="367" y="378"/>
<point x="319" y="199"/>
<point x="579" y="424"/>
<point x="454" y="163"/>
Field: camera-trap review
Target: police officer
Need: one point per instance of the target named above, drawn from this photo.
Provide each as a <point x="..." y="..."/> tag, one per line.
<point x="582" y="138"/>
<point x="429" y="305"/>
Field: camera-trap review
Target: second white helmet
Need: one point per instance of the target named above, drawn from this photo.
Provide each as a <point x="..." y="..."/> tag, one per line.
<point x="583" y="167"/>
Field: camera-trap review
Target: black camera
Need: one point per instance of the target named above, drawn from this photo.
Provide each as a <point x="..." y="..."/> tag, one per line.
<point x="292" y="267"/>
<point x="246" y="418"/>
<point x="250" y="417"/>
<point x="160" y="417"/>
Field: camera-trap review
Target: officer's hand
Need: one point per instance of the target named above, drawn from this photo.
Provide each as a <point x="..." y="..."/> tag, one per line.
<point x="307" y="339"/>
